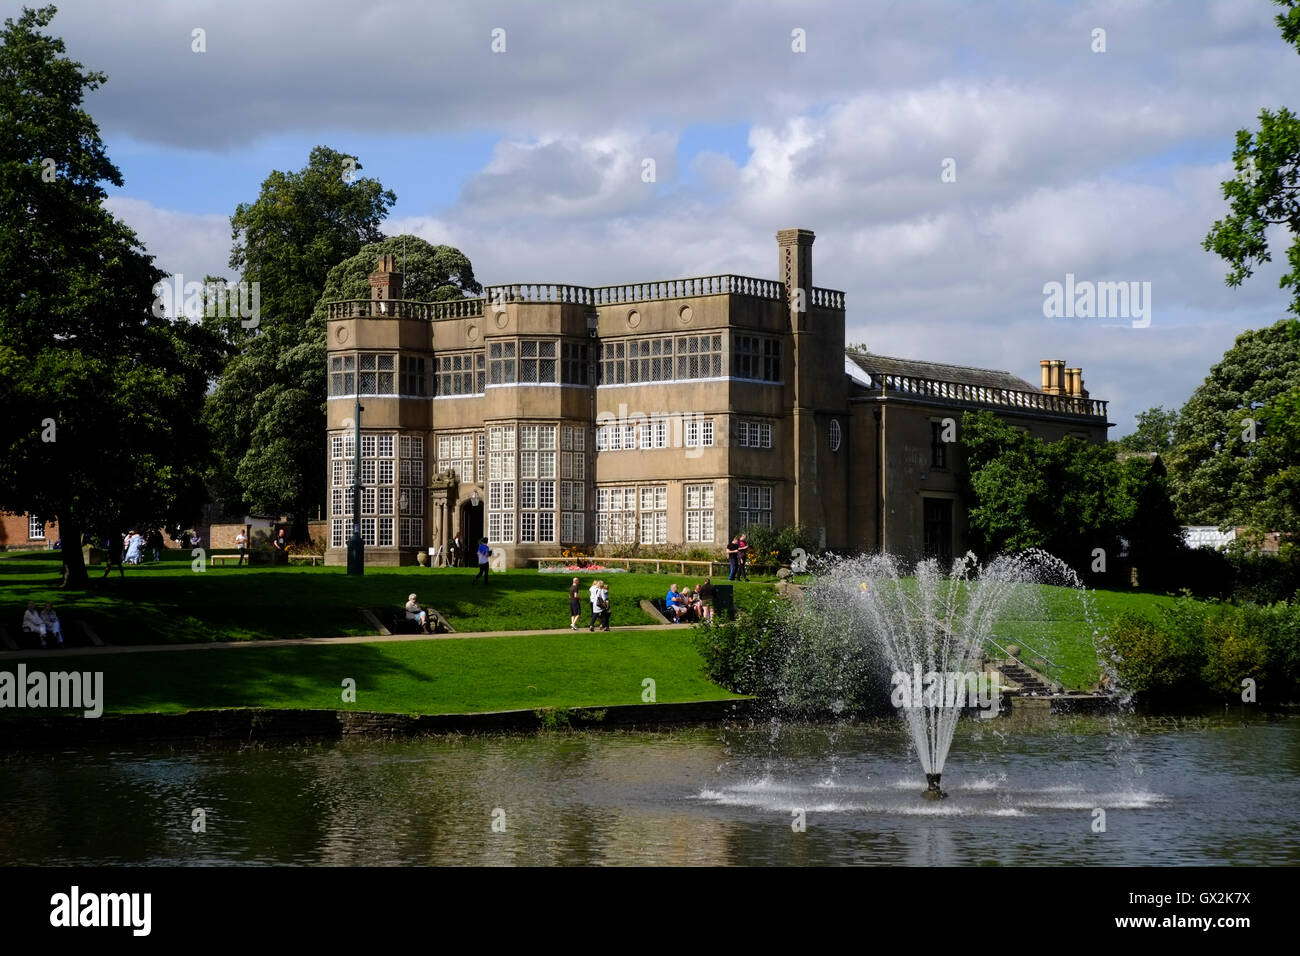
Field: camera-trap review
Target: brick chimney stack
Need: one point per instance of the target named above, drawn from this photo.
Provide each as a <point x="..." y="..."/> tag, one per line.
<point x="386" y="281"/>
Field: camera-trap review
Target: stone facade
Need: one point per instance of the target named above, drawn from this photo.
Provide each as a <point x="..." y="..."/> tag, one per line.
<point x="549" y="417"/>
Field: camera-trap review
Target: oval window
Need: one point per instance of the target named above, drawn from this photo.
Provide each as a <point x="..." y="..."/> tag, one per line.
<point x="835" y="434"/>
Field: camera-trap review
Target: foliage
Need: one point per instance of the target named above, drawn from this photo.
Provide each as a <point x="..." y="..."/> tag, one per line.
<point x="101" y="398"/>
<point x="1199" y="648"/>
<point x="1228" y="466"/>
<point x="1155" y="428"/>
<point x="739" y="653"/>
<point x="1068" y="497"/>
<point x="1148" y="656"/>
<point x="773" y="546"/>
<point x="430" y="273"/>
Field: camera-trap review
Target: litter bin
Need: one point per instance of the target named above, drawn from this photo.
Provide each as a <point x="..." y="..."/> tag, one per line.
<point x="724" y="599"/>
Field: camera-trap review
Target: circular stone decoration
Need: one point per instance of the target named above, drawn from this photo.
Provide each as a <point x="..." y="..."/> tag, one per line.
<point x="341" y="334"/>
<point x="472" y="333"/>
<point x="502" y="319"/>
<point x="633" y="319"/>
<point x="685" y="314"/>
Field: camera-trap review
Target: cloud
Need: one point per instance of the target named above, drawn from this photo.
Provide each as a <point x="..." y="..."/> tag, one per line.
<point x="196" y="245"/>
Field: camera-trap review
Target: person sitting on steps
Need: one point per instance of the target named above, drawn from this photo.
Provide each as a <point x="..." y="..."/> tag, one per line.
<point x="416" y="613"/>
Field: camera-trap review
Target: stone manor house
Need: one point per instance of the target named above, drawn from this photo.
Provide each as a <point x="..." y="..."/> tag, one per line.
<point x="552" y="417"/>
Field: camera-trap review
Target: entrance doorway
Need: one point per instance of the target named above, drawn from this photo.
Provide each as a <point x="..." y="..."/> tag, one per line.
<point x="471" y="527"/>
<point x="938" y="529"/>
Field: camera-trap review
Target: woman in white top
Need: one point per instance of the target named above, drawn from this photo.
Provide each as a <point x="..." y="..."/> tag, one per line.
<point x="32" y="622"/>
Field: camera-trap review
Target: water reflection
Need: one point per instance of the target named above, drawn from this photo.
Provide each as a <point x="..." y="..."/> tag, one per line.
<point x="1177" y="791"/>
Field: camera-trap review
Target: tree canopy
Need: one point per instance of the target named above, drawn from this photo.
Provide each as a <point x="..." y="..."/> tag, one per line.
<point x="102" y="399"/>
<point x="1231" y="467"/>
<point x="1154" y="432"/>
<point x="1069" y="497"/>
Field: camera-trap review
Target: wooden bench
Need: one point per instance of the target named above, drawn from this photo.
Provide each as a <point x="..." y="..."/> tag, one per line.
<point x="218" y="558"/>
<point x="313" y="558"/>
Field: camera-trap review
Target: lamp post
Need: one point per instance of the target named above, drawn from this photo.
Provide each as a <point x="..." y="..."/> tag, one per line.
<point x="356" y="546"/>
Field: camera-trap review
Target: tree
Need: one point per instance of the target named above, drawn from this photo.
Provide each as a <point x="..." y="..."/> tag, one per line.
<point x="1069" y="497"/>
<point x="1266" y="190"/>
<point x="1229" y="466"/>
<point x="1155" y="428"/>
<point x="302" y="225"/>
<point x="102" y="399"/>
<point x="267" y="413"/>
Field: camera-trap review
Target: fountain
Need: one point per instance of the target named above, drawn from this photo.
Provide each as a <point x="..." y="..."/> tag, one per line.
<point x="868" y="617"/>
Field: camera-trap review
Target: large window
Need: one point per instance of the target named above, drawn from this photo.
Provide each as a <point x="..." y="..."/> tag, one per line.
<point x="462" y="373"/>
<point x="755" y="505"/>
<point x="537" y="361"/>
<point x="456" y="453"/>
<point x="650" y="360"/>
<point x="756" y="358"/>
<point x="35" y="528"/>
<point x="654" y="514"/>
<point x="501" y="471"/>
<point x="343" y="375"/>
<point x="754" y="434"/>
<point x="414" y="379"/>
<point x="537" y="482"/>
<point x="699" y="356"/>
<point x="573" y="369"/>
<point x="699" y="513"/>
<point x="613" y="363"/>
<point x="698" y="432"/>
<point x="378" y="492"/>
<point x="616" y="515"/>
<point x="375" y="374"/>
<point x="501" y="363"/>
<point x="938" y="447"/>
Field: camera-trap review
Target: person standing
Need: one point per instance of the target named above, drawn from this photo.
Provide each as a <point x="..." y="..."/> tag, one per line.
<point x="241" y="542"/>
<point x="604" y="606"/>
<point x="742" y="553"/>
<point x="575" y="605"/>
<point x="594" y="596"/>
<point x="458" y="551"/>
<point x="484" y="555"/>
<point x="133" y="548"/>
<point x="733" y="557"/>
<point x="705" y="591"/>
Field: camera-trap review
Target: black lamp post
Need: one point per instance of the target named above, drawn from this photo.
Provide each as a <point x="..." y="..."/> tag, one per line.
<point x="356" y="546"/>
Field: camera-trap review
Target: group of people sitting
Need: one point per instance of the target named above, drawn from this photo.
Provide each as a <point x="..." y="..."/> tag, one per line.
<point x="44" y="623"/>
<point x="686" y="606"/>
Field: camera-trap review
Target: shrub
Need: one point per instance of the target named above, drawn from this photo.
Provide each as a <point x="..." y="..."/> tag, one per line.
<point x="1155" y="655"/>
<point x="1234" y="649"/>
<point x="771" y="547"/>
<point x="738" y="653"/>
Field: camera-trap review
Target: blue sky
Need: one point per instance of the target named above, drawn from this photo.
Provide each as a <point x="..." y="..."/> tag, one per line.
<point x="1102" y="164"/>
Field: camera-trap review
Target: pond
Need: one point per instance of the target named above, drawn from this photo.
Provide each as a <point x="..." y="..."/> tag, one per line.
<point x="1219" y="789"/>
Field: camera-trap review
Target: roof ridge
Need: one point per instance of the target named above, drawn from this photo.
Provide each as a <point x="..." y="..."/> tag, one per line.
<point x="900" y="358"/>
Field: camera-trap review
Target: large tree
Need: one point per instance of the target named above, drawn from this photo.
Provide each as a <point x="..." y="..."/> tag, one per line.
<point x="1264" y="195"/>
<point x="267" y="411"/>
<point x="1230" y="466"/>
<point x="101" y="399"/>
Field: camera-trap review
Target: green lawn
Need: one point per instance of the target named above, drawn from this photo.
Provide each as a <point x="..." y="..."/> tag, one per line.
<point x="1062" y="625"/>
<point x="170" y="603"/>
<point x="445" y="676"/>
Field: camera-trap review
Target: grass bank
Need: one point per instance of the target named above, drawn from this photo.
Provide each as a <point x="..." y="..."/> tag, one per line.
<point x="444" y="676"/>
<point x="169" y="602"/>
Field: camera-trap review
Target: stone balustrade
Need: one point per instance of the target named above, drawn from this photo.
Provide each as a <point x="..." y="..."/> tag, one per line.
<point x="916" y="387"/>
<point x="595" y="296"/>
